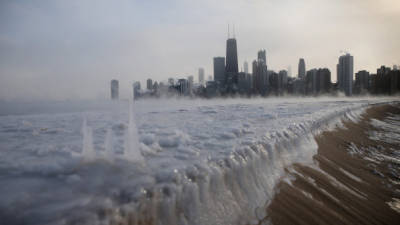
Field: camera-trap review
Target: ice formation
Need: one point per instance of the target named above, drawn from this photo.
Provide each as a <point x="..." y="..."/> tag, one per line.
<point x="177" y="162"/>
<point x="131" y="149"/>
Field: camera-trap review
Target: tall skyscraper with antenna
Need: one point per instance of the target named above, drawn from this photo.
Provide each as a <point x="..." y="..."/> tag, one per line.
<point x="231" y="54"/>
<point x="231" y="66"/>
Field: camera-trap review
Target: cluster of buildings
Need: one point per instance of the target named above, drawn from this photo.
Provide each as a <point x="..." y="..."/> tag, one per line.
<point x="229" y="81"/>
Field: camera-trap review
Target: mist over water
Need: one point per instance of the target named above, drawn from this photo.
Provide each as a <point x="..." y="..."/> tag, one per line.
<point x="177" y="161"/>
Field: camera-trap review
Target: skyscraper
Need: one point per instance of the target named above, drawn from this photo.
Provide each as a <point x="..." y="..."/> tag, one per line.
<point x="231" y="56"/>
<point x="201" y="76"/>
<point x="219" y="70"/>
<point x="183" y="86"/>
<point x="149" y="84"/>
<point x="231" y="67"/>
<point x="289" y="71"/>
<point x="324" y="80"/>
<point x="246" y="67"/>
<point x="345" y="74"/>
<point x="260" y="74"/>
<point x="311" y="82"/>
<point x="283" y="80"/>
<point x="114" y="89"/>
<point x="136" y="90"/>
<point x="302" y="69"/>
<point x="190" y="81"/>
<point x="262" y="56"/>
<point x="362" y="82"/>
<point x="260" y="77"/>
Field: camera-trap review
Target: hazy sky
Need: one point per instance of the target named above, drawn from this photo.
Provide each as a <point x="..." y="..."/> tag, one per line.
<point x="53" y="49"/>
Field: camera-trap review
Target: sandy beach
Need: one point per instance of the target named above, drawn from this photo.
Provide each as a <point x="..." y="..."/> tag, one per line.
<point x="345" y="185"/>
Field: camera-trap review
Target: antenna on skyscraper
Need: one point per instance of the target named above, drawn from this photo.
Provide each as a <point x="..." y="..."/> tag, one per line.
<point x="228" y="32"/>
<point x="234" y="31"/>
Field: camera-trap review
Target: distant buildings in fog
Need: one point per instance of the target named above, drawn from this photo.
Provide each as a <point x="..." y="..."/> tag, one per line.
<point x="201" y="76"/>
<point x="302" y="69"/>
<point x="149" y="84"/>
<point x="228" y="81"/>
<point x="318" y="81"/>
<point x="114" y="89"/>
<point x="136" y="90"/>
<point x="246" y="67"/>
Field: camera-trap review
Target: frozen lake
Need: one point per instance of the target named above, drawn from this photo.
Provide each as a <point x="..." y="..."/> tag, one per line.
<point x="174" y="161"/>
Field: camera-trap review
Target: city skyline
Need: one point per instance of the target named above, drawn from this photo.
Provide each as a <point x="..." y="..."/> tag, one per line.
<point x="46" y="53"/>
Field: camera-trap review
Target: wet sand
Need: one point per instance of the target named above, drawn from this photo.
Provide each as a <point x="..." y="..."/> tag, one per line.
<point x="341" y="188"/>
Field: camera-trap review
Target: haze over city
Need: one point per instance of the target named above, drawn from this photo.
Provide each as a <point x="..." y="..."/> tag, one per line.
<point x="57" y="50"/>
<point x="177" y="112"/>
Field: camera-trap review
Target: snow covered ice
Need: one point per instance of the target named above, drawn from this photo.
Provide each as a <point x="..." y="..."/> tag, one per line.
<point x="158" y="161"/>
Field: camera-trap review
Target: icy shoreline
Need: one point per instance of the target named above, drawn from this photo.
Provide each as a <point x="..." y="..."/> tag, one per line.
<point x="219" y="169"/>
<point x="353" y="177"/>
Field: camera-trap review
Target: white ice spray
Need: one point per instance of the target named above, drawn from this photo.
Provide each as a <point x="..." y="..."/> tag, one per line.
<point x="109" y="150"/>
<point x="132" y="151"/>
<point x="88" y="151"/>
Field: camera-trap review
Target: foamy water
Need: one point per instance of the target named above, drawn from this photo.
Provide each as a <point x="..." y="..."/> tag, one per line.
<point x="158" y="161"/>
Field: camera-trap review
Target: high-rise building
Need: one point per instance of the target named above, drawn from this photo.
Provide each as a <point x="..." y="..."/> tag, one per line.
<point x="231" y="56"/>
<point x="302" y="68"/>
<point x="262" y="56"/>
<point x="231" y="66"/>
<point x="311" y="82"/>
<point x="361" y="84"/>
<point x="345" y="74"/>
<point x="387" y="81"/>
<point x="318" y="81"/>
<point x="260" y="77"/>
<point x="136" y="90"/>
<point x="243" y="83"/>
<point x="283" y="80"/>
<point x="149" y="84"/>
<point x="289" y="71"/>
<point x="183" y="86"/>
<point x="171" y="81"/>
<point x="246" y="67"/>
<point x="324" y="81"/>
<point x="155" y="88"/>
<point x="201" y="76"/>
<point x="219" y="70"/>
<point x="190" y="84"/>
<point x="114" y="89"/>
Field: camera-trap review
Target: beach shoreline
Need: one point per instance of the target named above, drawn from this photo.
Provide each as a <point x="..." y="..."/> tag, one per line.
<point x="342" y="187"/>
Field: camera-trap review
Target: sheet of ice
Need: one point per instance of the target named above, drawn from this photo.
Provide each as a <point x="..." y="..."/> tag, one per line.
<point x="200" y="161"/>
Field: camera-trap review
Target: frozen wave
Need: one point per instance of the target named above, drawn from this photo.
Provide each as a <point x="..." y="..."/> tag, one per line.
<point x="207" y="162"/>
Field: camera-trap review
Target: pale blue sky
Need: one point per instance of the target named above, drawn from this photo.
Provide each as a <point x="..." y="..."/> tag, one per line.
<point x="53" y="49"/>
